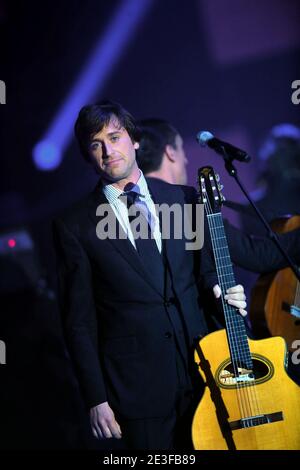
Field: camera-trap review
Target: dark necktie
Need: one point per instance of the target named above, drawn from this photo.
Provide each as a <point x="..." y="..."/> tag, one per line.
<point x="146" y="247"/>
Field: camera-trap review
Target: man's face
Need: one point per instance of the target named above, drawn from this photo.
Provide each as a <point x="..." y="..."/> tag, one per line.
<point x="112" y="152"/>
<point x="181" y="161"/>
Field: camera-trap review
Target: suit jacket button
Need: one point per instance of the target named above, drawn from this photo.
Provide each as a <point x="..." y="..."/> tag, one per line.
<point x="168" y="334"/>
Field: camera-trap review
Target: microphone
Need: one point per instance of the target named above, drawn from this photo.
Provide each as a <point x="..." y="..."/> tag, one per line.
<point x="206" y="138"/>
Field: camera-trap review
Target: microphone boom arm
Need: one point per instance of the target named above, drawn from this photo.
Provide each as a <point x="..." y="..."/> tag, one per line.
<point x="232" y="171"/>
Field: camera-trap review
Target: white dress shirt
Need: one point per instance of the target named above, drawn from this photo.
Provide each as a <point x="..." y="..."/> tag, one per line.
<point x="144" y="203"/>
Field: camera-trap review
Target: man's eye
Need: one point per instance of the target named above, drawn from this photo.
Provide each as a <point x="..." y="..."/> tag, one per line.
<point x="114" y="138"/>
<point x="95" y="146"/>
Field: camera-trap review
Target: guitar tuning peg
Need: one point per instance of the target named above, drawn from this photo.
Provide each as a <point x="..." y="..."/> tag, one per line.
<point x="220" y="187"/>
<point x="223" y="198"/>
<point x="217" y="177"/>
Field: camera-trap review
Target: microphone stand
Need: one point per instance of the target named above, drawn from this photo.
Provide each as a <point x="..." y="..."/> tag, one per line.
<point x="232" y="171"/>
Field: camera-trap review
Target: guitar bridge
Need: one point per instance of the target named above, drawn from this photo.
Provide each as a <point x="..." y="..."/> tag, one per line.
<point x="257" y="420"/>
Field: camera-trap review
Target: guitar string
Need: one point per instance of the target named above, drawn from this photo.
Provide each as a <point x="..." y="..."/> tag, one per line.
<point x="240" y="400"/>
<point x="241" y="387"/>
<point x="249" y="388"/>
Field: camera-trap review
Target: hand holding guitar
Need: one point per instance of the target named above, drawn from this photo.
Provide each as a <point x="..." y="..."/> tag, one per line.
<point x="234" y="296"/>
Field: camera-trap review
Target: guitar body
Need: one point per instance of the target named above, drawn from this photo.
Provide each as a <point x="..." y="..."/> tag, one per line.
<point x="216" y="421"/>
<point x="273" y="296"/>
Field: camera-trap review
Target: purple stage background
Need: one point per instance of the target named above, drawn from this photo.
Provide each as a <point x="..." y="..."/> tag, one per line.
<point x="226" y="66"/>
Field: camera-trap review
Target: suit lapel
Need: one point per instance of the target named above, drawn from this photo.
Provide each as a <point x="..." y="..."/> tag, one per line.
<point x="122" y="244"/>
<point x="170" y="246"/>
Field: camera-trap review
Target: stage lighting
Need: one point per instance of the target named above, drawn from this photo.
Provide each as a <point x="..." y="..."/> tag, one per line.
<point x="48" y="153"/>
<point x="19" y="264"/>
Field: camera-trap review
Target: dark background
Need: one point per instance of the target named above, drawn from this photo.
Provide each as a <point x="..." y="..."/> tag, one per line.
<point x="226" y="66"/>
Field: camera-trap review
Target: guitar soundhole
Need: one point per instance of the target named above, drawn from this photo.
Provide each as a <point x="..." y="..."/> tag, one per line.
<point x="227" y="377"/>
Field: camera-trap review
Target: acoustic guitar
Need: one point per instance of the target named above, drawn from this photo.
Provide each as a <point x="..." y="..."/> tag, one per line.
<point x="275" y="298"/>
<point x="249" y="402"/>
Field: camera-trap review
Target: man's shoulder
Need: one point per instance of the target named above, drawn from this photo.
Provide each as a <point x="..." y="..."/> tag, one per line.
<point x="179" y="190"/>
<point x="75" y="213"/>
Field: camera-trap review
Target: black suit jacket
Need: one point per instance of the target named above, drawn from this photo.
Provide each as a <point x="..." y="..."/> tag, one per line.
<point x="260" y="254"/>
<point x="114" y="312"/>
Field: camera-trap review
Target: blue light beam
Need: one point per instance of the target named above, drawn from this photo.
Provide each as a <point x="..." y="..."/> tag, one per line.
<point x="48" y="152"/>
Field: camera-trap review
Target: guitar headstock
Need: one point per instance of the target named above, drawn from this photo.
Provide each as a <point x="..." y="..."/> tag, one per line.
<point x="210" y="190"/>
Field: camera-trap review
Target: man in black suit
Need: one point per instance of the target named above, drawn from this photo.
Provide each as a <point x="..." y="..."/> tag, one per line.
<point x="130" y="306"/>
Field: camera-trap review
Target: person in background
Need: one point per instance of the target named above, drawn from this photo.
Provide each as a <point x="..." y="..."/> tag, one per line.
<point x="278" y="183"/>
<point x="161" y="155"/>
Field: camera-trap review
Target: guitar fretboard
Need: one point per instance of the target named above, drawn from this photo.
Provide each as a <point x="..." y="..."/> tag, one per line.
<point x="235" y="326"/>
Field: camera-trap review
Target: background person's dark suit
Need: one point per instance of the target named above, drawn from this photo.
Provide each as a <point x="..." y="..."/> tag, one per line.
<point x="119" y="325"/>
<point x="260" y="254"/>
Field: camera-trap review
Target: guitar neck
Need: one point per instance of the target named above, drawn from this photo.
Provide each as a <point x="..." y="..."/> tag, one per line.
<point x="235" y="326"/>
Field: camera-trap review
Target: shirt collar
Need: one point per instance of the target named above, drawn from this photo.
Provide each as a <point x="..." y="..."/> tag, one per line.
<point x="112" y="193"/>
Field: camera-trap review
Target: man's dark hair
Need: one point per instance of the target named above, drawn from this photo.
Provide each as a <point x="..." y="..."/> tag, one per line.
<point x="92" y="118"/>
<point x="154" y="135"/>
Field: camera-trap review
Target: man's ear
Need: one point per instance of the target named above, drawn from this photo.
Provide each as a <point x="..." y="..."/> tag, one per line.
<point x="136" y="145"/>
<point x="169" y="151"/>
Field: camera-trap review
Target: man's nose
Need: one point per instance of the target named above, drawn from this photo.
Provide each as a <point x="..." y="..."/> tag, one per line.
<point x="107" y="149"/>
